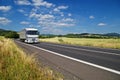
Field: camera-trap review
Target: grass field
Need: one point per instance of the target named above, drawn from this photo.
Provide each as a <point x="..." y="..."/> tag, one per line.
<point x="103" y="43"/>
<point x="16" y="65"/>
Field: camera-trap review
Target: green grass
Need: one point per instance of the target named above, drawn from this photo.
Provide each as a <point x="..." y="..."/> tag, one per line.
<point x="16" y="65"/>
<point x="102" y="43"/>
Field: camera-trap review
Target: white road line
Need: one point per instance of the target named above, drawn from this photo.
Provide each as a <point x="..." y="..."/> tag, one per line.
<point x="74" y="59"/>
<point x="85" y="49"/>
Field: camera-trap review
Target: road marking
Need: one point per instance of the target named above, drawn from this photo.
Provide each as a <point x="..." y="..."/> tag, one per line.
<point x="74" y="59"/>
<point x="85" y="49"/>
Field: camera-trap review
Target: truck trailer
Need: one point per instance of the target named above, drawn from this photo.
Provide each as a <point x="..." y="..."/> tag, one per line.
<point x="29" y="35"/>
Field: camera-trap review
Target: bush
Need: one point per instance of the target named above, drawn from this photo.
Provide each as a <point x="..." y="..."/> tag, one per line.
<point x="60" y="40"/>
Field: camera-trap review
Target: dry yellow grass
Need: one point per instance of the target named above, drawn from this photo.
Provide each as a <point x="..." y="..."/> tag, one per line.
<point x="103" y="43"/>
<point x="16" y="65"/>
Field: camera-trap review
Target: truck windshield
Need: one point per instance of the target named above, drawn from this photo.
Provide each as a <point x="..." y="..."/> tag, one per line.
<point x="32" y="32"/>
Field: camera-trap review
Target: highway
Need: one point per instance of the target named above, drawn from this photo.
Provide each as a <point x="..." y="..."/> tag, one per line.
<point x="77" y="62"/>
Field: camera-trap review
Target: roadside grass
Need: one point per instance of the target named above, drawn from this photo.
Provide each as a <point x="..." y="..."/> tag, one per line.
<point x="16" y="65"/>
<point x="102" y="43"/>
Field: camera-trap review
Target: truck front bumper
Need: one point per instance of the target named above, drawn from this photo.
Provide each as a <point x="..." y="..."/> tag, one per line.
<point x="32" y="40"/>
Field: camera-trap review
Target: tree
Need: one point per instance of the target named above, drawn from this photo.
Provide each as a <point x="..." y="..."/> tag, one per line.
<point x="12" y="34"/>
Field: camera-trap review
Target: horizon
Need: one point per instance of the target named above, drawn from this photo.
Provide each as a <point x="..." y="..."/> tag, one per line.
<point x="68" y="33"/>
<point x="61" y="17"/>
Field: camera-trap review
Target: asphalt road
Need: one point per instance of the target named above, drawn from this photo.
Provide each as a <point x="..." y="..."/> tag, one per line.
<point x="78" y="62"/>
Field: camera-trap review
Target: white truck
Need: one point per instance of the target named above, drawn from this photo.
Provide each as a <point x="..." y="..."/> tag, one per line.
<point x="29" y="35"/>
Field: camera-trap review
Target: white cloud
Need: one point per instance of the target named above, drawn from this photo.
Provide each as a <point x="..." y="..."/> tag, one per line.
<point x="67" y="20"/>
<point x="91" y="17"/>
<point x="57" y="9"/>
<point x="42" y="3"/>
<point x="51" y="30"/>
<point x="62" y="7"/>
<point x="102" y="24"/>
<point x="62" y="14"/>
<point x="35" y="3"/>
<point x="24" y="23"/>
<point x="4" y="21"/>
<point x="47" y="16"/>
<point x="69" y="14"/>
<point x="21" y="10"/>
<point x="53" y="20"/>
<point x="22" y="2"/>
<point x="5" y="8"/>
<point x="34" y="15"/>
<point x="57" y="24"/>
<point x="41" y="16"/>
<point x="63" y="24"/>
<point x="47" y="20"/>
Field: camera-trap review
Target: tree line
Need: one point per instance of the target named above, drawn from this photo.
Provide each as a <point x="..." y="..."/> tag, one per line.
<point x="9" y="33"/>
<point x="83" y="35"/>
<point x="14" y="34"/>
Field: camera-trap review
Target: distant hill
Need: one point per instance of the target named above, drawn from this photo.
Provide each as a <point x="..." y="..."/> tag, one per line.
<point x="2" y="30"/>
<point x="89" y="35"/>
<point x="112" y="34"/>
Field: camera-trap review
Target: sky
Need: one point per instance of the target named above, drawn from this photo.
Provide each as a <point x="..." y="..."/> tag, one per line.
<point x="61" y="16"/>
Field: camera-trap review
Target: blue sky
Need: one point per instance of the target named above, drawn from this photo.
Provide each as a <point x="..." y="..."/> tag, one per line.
<point x="61" y="16"/>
